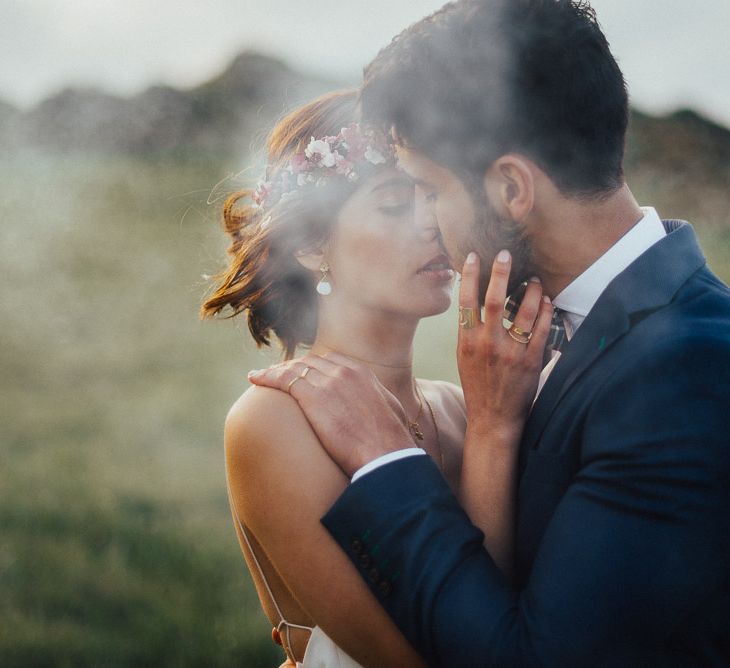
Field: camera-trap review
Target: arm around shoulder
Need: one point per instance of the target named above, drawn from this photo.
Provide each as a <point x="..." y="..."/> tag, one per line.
<point x="644" y="529"/>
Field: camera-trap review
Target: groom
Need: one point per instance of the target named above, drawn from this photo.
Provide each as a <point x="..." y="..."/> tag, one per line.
<point x="510" y="116"/>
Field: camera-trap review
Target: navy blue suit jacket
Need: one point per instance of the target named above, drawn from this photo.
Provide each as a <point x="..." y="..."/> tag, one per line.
<point x="623" y="522"/>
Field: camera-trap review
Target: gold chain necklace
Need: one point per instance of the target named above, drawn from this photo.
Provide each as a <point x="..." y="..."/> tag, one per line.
<point x="415" y="428"/>
<point x="361" y="359"/>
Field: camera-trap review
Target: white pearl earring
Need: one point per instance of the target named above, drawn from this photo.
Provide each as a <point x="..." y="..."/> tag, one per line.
<point x="324" y="287"/>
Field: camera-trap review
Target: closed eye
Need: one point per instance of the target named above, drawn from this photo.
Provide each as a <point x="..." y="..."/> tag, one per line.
<point x="397" y="209"/>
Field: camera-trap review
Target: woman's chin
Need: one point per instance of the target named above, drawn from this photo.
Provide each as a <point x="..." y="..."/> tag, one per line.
<point x="437" y="305"/>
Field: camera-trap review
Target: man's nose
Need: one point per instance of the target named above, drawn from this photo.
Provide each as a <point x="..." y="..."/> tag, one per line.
<point x="425" y="218"/>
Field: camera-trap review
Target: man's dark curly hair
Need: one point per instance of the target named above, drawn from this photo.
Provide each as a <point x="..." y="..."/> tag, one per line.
<point x="481" y="78"/>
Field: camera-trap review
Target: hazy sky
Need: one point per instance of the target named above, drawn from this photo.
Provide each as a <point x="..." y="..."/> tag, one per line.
<point x="673" y="52"/>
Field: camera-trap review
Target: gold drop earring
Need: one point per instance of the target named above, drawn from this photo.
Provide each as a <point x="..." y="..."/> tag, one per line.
<point x="324" y="287"/>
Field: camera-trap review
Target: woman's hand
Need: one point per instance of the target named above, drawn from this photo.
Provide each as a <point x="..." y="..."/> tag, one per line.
<point x="499" y="371"/>
<point x="500" y="368"/>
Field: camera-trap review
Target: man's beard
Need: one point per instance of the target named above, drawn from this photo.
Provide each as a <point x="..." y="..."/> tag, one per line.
<point x="492" y="233"/>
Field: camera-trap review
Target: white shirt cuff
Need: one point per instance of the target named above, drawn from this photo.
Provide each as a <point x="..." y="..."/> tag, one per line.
<point x="386" y="459"/>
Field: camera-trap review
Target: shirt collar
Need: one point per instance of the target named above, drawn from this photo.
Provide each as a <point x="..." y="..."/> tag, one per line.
<point x="579" y="297"/>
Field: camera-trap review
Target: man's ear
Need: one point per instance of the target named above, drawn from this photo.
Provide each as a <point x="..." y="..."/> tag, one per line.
<point x="310" y="259"/>
<point x="510" y="186"/>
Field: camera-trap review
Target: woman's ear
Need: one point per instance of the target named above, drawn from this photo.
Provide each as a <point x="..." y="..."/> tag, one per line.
<point x="510" y="186"/>
<point x="311" y="259"/>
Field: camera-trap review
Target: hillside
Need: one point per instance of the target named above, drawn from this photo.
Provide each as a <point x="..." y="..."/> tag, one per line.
<point x="217" y="117"/>
<point x="681" y="162"/>
<point x="228" y="115"/>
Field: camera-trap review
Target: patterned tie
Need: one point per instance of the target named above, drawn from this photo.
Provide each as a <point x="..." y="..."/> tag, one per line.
<point x="557" y="337"/>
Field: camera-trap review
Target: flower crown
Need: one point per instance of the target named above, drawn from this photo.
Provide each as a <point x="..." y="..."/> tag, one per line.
<point x="342" y="156"/>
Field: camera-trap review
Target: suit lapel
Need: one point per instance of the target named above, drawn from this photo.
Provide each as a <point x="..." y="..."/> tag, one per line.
<point x="646" y="285"/>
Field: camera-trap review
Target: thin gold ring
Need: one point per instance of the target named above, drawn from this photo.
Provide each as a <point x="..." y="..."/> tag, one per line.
<point x="291" y="382"/>
<point x="518" y="335"/>
<point x="519" y="331"/>
<point x="467" y="317"/>
<point x="307" y="369"/>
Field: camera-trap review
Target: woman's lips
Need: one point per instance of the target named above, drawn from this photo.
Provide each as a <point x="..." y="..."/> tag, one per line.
<point x="437" y="268"/>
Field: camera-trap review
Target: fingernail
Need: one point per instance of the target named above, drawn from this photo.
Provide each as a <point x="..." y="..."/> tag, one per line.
<point x="535" y="279"/>
<point x="503" y="256"/>
<point x="254" y="372"/>
<point x="471" y="258"/>
<point x="546" y="299"/>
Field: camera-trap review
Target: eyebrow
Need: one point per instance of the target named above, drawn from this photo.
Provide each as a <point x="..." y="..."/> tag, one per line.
<point x="397" y="181"/>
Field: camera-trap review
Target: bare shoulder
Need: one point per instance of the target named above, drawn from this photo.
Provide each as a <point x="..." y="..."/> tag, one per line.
<point x="260" y="412"/>
<point x="266" y="425"/>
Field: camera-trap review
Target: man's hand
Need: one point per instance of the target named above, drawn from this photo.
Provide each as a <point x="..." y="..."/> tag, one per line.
<point x="355" y="418"/>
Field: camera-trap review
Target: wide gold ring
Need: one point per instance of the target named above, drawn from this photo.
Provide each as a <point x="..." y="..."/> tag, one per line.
<point x="291" y="382"/>
<point x="519" y="335"/>
<point x="467" y="317"/>
<point x="307" y="369"/>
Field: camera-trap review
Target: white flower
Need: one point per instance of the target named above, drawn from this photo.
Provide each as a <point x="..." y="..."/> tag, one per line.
<point x="316" y="146"/>
<point x="322" y="148"/>
<point x="284" y="197"/>
<point x="374" y="156"/>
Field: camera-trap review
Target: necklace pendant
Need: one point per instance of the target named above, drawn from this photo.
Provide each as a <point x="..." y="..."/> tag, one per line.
<point x="415" y="430"/>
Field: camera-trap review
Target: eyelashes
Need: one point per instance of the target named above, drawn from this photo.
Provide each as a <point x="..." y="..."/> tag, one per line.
<point x="396" y="210"/>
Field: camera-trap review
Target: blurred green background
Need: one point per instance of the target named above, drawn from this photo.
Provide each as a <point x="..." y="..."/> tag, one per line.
<point x="116" y="543"/>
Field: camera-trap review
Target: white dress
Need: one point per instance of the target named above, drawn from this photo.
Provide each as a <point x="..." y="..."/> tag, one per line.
<point x="321" y="650"/>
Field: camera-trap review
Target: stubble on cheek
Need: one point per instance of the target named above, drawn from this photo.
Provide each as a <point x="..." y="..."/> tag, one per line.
<point x="492" y="233"/>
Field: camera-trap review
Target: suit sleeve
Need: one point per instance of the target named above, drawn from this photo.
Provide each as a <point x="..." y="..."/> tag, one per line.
<point x="640" y="538"/>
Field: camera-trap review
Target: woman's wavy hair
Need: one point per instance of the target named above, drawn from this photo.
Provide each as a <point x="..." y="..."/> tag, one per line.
<point x="264" y="277"/>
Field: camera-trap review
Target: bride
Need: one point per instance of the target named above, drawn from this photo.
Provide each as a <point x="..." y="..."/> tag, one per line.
<point x="333" y="252"/>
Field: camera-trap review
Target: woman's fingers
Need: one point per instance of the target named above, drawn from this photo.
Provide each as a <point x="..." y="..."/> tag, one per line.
<point x="469" y="297"/>
<point x="496" y="294"/>
<point x="524" y="321"/>
<point x="469" y="303"/>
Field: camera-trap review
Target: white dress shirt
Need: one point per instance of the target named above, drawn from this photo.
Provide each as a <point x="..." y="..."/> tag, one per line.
<point x="577" y="299"/>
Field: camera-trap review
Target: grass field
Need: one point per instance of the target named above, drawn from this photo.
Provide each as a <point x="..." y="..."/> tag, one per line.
<point x="117" y="547"/>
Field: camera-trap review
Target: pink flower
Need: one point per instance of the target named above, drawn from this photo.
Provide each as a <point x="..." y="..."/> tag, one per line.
<point x="323" y="159"/>
<point x="299" y="163"/>
<point x="262" y="192"/>
<point x="344" y="166"/>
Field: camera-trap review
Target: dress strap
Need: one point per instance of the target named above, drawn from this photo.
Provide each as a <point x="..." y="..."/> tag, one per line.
<point x="282" y="622"/>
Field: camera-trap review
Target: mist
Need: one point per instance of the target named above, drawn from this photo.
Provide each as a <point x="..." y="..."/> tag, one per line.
<point x="117" y="539"/>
